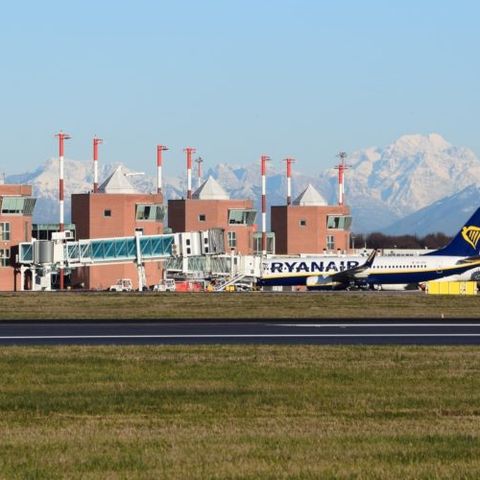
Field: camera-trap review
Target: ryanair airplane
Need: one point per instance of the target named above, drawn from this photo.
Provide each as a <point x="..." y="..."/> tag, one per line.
<point x="337" y="272"/>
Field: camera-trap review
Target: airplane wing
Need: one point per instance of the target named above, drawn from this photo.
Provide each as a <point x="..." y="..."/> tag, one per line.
<point x="469" y="260"/>
<point x="344" y="277"/>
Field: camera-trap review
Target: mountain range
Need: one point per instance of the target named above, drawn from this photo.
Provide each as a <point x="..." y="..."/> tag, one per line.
<point x="418" y="184"/>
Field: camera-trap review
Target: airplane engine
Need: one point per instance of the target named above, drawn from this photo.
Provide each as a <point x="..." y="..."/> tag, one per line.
<point x="318" y="282"/>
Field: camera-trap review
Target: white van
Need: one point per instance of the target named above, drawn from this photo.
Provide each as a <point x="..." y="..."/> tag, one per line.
<point x="122" y="285"/>
<point x="167" y="285"/>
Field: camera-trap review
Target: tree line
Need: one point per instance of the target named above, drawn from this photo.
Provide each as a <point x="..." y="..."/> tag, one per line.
<point x="378" y="240"/>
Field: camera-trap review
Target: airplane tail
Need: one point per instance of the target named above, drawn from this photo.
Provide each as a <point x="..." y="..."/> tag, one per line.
<point x="467" y="241"/>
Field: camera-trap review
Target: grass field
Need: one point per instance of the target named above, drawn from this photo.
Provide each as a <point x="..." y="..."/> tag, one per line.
<point x="58" y="305"/>
<point x="239" y="412"/>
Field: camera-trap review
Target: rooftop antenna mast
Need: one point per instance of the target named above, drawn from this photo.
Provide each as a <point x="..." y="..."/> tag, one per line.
<point x="62" y="136"/>
<point x="160" y="150"/>
<point x="199" y="162"/>
<point x="189" y="151"/>
<point x="96" y="142"/>
<point x="289" y="162"/>
<point x="341" y="167"/>
<point x="263" y="162"/>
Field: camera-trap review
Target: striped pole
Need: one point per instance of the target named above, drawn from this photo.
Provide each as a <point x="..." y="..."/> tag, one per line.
<point x="341" y="167"/>
<point x="264" y="159"/>
<point x="160" y="149"/>
<point x="96" y="143"/>
<point x="189" y="151"/>
<point x="61" y="224"/>
<point x="289" y="162"/>
<point x="199" y="161"/>
<point x="340" y="185"/>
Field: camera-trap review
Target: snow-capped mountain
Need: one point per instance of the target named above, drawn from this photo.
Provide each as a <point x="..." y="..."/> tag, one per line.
<point x="240" y="182"/>
<point x="383" y="185"/>
<point x="78" y="178"/>
<point x="446" y="215"/>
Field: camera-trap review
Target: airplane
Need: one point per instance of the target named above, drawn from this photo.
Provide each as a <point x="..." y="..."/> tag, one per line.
<point x="339" y="272"/>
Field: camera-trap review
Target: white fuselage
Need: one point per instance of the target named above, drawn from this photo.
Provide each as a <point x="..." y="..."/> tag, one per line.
<point x="387" y="269"/>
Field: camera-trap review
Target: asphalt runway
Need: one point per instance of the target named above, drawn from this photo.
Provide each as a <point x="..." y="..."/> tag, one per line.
<point x="324" y="332"/>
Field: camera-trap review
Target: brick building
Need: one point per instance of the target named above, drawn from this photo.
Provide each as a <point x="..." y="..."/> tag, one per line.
<point x="117" y="210"/>
<point x="310" y="225"/>
<point x="211" y="207"/>
<point x="16" y="209"/>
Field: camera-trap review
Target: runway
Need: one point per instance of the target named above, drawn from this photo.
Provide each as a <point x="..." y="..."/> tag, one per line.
<point x="325" y="332"/>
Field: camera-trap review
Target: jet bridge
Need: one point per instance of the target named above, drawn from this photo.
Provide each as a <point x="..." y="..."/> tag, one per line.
<point x="43" y="257"/>
<point x="224" y="270"/>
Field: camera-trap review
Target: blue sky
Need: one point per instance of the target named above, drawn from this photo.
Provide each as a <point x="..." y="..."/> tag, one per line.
<point x="234" y="79"/>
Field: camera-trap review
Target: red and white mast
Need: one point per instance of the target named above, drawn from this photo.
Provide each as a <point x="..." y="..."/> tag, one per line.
<point x="264" y="159"/>
<point x="61" y="224"/>
<point x="199" y="162"/>
<point x="189" y="151"/>
<point x="96" y="143"/>
<point x="160" y="150"/>
<point x="289" y="162"/>
<point x="341" y="167"/>
<point x="61" y="149"/>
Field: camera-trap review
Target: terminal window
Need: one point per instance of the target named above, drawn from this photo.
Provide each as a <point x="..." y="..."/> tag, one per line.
<point x="17" y="205"/>
<point x="4" y="231"/>
<point x="240" y="216"/>
<point x="153" y="212"/>
<point x="330" y="242"/>
<point x="339" y="222"/>
<point x="232" y="239"/>
<point x="4" y="257"/>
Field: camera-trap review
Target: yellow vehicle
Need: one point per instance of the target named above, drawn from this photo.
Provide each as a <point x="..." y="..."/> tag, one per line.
<point x="451" y="288"/>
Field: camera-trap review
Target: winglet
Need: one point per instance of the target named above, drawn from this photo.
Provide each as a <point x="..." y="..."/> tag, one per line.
<point x="370" y="259"/>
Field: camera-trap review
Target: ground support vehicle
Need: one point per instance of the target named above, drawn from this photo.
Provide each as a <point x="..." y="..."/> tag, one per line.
<point x="122" y="285"/>
<point x="167" y="285"/>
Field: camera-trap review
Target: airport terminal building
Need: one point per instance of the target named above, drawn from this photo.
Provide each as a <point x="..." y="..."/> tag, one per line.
<point x="116" y="210"/>
<point x="16" y="209"/>
<point x="310" y="225"/>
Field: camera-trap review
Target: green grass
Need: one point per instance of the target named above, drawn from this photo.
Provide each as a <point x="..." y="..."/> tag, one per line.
<point x="239" y="412"/>
<point x="57" y="305"/>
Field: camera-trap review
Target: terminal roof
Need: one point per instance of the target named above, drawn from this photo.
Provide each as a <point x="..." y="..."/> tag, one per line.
<point x="310" y="198"/>
<point x="210" y="190"/>
<point x="117" y="182"/>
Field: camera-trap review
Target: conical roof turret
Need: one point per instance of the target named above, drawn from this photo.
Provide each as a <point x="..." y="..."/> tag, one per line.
<point x="210" y="190"/>
<point x="117" y="182"/>
<point x="310" y="198"/>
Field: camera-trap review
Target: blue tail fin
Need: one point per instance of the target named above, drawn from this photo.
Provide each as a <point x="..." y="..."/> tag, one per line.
<point x="467" y="241"/>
